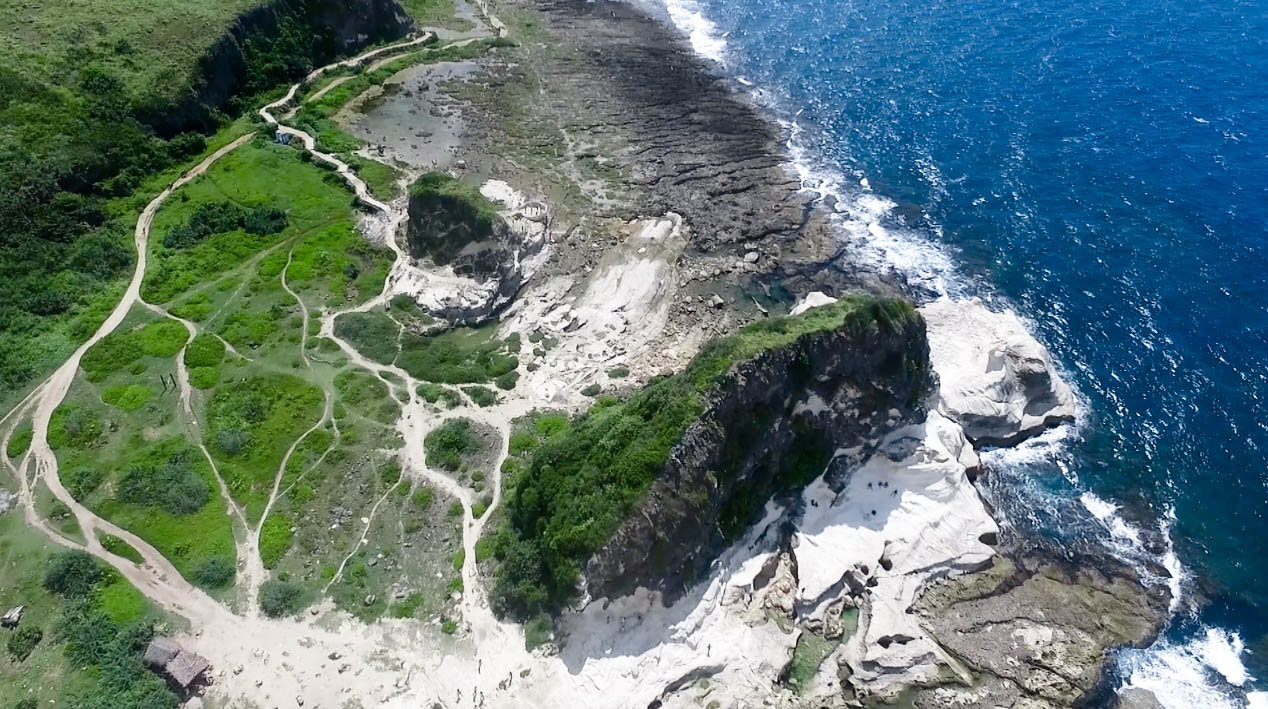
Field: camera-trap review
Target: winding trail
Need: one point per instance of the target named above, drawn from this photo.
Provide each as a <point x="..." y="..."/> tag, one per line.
<point x="225" y="637"/>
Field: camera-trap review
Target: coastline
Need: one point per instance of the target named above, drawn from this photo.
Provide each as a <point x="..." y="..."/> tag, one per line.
<point x="670" y="210"/>
<point x="825" y="211"/>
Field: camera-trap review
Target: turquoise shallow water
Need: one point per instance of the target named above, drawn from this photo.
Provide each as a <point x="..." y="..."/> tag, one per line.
<point x="1102" y="168"/>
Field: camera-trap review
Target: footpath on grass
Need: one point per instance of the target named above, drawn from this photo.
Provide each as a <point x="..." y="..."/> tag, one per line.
<point x="154" y="575"/>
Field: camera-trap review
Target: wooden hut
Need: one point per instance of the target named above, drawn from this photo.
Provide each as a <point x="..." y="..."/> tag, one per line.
<point x="182" y="668"/>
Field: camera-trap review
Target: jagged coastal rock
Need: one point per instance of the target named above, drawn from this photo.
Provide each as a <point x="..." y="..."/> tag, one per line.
<point x="997" y="381"/>
<point x="773" y="422"/>
<point x="885" y="568"/>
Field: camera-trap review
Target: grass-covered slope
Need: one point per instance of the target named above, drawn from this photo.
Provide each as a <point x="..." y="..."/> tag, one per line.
<point x="572" y="485"/>
<point x="96" y="97"/>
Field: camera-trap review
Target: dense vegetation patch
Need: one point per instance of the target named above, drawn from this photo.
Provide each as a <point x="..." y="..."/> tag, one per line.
<point x="173" y="485"/>
<point x="101" y="640"/>
<point x="221" y="217"/>
<point x="572" y="483"/>
<point x="460" y="356"/>
<point x="205" y="351"/>
<point x="450" y="443"/>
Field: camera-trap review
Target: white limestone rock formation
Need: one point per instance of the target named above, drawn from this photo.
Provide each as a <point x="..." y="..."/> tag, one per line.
<point x="996" y="380"/>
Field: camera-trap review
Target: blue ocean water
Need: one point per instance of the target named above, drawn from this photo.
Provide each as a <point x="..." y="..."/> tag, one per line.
<point x="1102" y="168"/>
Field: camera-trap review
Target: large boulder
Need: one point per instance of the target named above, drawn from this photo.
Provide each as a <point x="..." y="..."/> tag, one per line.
<point x="475" y="260"/>
<point x="996" y="380"/>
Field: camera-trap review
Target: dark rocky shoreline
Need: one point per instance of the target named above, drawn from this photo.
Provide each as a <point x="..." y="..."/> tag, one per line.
<point x="629" y="86"/>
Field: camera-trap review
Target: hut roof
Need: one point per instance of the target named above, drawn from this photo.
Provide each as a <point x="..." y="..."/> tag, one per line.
<point x="160" y="652"/>
<point x="186" y="667"/>
<point x="182" y="666"/>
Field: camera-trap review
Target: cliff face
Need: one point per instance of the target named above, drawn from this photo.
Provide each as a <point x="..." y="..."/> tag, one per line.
<point x="770" y="428"/>
<point x="323" y="29"/>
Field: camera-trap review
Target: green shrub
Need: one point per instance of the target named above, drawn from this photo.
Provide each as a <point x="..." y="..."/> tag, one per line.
<point x="423" y="496"/>
<point x="507" y="381"/>
<point x="455" y="509"/>
<point x="449" y="443"/>
<point x="174" y="485"/>
<point x="280" y="598"/>
<point x="592" y="390"/>
<point x="232" y="441"/>
<point x="482" y="396"/>
<point x="127" y="397"/>
<point x="204" y="377"/>
<point x="433" y="393"/>
<point x="162" y="338"/>
<point x="112" y="353"/>
<point x="390" y="473"/>
<point x="449" y="627"/>
<point x="618" y="372"/>
<point x="22" y="642"/>
<point x="82" y="482"/>
<point x="459" y="558"/>
<point x="204" y="351"/>
<point x="72" y="574"/>
<point x="214" y="572"/>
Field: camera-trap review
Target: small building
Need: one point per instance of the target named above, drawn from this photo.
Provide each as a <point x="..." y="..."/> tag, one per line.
<point x="13" y="617"/>
<point x="182" y="668"/>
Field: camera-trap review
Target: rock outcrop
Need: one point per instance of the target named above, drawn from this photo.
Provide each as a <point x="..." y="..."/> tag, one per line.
<point x="1035" y="631"/>
<point x="480" y="259"/>
<point x="772" y="425"/>
<point x="996" y="380"/>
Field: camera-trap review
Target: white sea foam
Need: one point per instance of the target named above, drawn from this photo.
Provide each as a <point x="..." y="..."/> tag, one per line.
<point x="1107" y="514"/>
<point x="1204" y="672"/>
<point x="700" y="31"/>
<point x="862" y="215"/>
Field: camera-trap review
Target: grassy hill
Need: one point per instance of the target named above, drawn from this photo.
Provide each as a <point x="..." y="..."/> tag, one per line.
<point x="151" y="45"/>
<point x="83" y="85"/>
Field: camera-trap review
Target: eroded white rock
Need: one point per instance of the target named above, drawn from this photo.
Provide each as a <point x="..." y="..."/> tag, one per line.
<point x="995" y="379"/>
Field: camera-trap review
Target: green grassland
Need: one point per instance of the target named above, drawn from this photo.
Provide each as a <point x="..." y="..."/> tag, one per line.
<point x="48" y="672"/>
<point x="151" y="44"/>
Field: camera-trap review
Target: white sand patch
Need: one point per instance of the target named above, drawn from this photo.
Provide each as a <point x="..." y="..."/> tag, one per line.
<point x="502" y="193"/>
<point x="813" y="299"/>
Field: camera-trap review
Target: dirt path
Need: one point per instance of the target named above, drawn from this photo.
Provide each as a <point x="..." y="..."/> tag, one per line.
<point x="155" y="576"/>
<point x="241" y="646"/>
